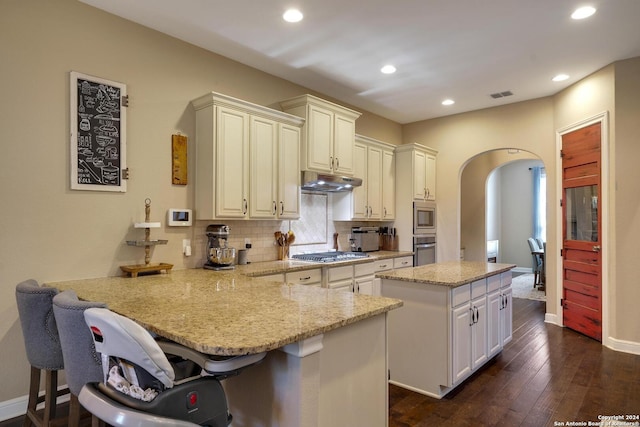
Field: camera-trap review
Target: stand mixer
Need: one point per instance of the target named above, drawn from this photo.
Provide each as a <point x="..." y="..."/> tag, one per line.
<point x="219" y="256"/>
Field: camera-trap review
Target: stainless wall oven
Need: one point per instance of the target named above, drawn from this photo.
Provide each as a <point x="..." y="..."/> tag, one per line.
<point x="424" y="249"/>
<point x="424" y="218"/>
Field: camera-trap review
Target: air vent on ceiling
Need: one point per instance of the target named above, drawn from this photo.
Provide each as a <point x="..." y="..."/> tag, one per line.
<point x="501" y="94"/>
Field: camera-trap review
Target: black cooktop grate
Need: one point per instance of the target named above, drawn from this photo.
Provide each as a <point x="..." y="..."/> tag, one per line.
<point x="329" y="256"/>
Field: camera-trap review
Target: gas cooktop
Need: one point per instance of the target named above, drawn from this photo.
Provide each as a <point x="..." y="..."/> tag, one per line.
<point x="334" y="256"/>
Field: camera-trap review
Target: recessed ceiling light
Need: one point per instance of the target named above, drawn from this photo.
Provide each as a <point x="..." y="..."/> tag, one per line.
<point x="388" y="69"/>
<point x="583" y="12"/>
<point x="292" y="15"/>
<point x="448" y="102"/>
<point x="560" y="78"/>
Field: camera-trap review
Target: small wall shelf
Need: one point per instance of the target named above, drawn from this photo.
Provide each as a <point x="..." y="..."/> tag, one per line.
<point x="147" y="243"/>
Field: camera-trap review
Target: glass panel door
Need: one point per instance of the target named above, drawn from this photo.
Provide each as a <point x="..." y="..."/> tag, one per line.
<point x="582" y="213"/>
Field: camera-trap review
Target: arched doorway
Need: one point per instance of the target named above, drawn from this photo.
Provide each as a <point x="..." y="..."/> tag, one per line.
<point x="496" y="206"/>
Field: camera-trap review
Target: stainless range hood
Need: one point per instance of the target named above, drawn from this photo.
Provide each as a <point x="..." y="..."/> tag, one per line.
<point x="315" y="181"/>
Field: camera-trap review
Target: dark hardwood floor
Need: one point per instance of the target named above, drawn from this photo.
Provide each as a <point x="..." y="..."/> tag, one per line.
<point x="546" y="375"/>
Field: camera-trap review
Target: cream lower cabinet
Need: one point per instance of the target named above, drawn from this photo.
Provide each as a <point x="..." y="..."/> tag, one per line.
<point x="305" y="277"/>
<point x="244" y="167"/>
<point x="340" y="278"/>
<point x="364" y="279"/>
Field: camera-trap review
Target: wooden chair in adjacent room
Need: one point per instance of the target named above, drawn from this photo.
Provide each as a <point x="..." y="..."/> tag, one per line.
<point x="42" y="345"/>
<point x="536" y="261"/>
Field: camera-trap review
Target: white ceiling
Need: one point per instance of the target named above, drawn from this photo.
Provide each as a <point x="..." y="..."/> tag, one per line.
<point x="459" y="49"/>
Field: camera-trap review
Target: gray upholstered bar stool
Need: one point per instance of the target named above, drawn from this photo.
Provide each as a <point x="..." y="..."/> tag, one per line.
<point x="82" y="364"/>
<point x="42" y="343"/>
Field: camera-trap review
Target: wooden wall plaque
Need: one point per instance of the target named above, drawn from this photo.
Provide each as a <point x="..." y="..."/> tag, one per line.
<point x="179" y="159"/>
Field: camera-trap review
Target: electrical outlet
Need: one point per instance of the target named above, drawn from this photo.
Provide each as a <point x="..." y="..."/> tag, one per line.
<point x="247" y="241"/>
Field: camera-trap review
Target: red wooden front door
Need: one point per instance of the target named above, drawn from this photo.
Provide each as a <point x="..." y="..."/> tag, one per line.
<point x="582" y="213"/>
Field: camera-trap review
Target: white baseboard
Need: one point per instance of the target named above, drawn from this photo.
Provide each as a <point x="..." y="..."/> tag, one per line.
<point x="612" y="343"/>
<point x="13" y="408"/>
<point x="18" y="407"/>
<point x="552" y="318"/>
<point x="622" y="345"/>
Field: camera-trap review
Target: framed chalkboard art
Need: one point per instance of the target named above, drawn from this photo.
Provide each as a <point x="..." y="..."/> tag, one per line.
<point x="98" y="134"/>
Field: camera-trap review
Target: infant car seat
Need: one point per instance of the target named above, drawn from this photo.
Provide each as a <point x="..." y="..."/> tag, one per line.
<point x="140" y="388"/>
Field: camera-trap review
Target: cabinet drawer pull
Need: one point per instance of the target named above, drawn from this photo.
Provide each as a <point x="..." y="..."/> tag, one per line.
<point x="305" y="278"/>
<point x="383" y="266"/>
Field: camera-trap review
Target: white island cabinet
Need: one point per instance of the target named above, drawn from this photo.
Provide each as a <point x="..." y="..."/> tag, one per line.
<point x="456" y="317"/>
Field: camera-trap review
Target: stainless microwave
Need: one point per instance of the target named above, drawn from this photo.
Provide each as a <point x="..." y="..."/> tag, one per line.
<point x="424" y="218"/>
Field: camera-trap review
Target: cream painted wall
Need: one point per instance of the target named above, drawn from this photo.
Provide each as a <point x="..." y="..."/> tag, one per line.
<point x="625" y="189"/>
<point x="47" y="231"/>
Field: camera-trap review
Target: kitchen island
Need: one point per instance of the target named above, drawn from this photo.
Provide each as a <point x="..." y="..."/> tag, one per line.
<point x="327" y="350"/>
<point x="456" y="317"/>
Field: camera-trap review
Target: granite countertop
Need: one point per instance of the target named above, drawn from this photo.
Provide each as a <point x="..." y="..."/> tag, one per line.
<point x="228" y="313"/>
<point x="452" y="274"/>
<point x="274" y="267"/>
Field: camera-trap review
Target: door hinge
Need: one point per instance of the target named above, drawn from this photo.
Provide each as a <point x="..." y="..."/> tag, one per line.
<point x="388" y="374"/>
<point x="561" y="303"/>
<point x="124" y="100"/>
<point x="561" y="153"/>
<point x="125" y="173"/>
<point x="561" y="253"/>
<point x="561" y="202"/>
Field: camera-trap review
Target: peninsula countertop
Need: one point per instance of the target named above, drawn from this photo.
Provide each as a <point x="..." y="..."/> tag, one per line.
<point x="228" y="313"/>
<point x="452" y="273"/>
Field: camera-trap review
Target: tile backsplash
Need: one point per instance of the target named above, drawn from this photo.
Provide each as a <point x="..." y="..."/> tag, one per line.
<point x="316" y="218"/>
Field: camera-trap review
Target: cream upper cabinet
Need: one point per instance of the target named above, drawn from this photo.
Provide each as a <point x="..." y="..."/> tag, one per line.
<point x="264" y="168"/>
<point x="418" y="163"/>
<point x="244" y="167"/>
<point x="288" y="172"/>
<point x="366" y="199"/>
<point x="275" y="169"/>
<point x="415" y="181"/>
<point x="328" y="135"/>
<point x="360" y="208"/>
<point x="373" y="164"/>
<point x="424" y="177"/>
<point x="231" y="190"/>
<point x="388" y="184"/>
